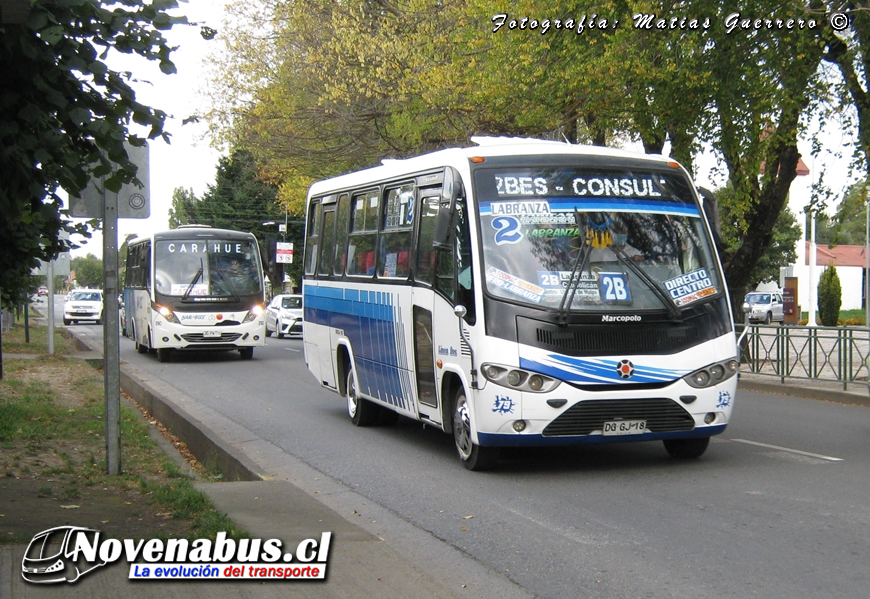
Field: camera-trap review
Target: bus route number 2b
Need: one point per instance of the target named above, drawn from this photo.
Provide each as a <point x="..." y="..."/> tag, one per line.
<point x="614" y="287"/>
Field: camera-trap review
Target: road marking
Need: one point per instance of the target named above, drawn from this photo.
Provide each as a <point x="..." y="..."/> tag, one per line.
<point x="292" y="349"/>
<point x="797" y="451"/>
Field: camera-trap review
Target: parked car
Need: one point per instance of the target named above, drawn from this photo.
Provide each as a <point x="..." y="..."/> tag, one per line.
<point x="284" y="315"/>
<point x="83" y="304"/>
<point x="763" y="306"/>
<point x="43" y="290"/>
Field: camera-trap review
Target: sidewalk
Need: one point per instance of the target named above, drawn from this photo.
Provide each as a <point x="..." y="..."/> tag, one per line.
<point x="374" y="553"/>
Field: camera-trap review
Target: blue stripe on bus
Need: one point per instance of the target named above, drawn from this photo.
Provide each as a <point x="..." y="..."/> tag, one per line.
<point x="576" y="370"/>
<point x="371" y="321"/>
<point x="600" y="204"/>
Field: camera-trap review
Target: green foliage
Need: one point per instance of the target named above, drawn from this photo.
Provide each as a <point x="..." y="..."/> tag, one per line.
<point x="240" y="199"/>
<point x="780" y="251"/>
<point x="830" y="297"/>
<point x="65" y="115"/>
<point x="848" y="226"/>
<point x="89" y="271"/>
<point x="183" y="207"/>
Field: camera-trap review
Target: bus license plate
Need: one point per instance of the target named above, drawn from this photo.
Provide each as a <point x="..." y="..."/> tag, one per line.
<point x="624" y="427"/>
<point x="211" y="334"/>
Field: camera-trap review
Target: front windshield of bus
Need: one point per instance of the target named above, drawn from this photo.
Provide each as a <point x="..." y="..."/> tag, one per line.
<point x="192" y="269"/>
<point x="634" y="239"/>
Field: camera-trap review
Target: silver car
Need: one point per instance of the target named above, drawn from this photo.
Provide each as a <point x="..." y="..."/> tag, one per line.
<point x="764" y="306"/>
<point x="284" y="315"/>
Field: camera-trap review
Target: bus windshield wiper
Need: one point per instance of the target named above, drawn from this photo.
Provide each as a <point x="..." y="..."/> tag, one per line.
<point x="193" y="282"/>
<point x="673" y="311"/>
<point x="568" y="298"/>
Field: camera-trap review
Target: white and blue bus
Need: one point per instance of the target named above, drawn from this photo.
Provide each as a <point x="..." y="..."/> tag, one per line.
<point x="521" y="293"/>
<point x="194" y="288"/>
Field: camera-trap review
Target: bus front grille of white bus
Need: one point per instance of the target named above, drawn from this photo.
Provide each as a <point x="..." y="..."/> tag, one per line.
<point x="200" y="338"/>
<point x="661" y="415"/>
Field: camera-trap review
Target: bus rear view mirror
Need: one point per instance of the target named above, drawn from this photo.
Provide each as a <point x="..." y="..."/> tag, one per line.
<point x="445" y="225"/>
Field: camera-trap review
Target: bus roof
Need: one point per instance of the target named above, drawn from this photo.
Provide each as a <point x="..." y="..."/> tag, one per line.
<point x="484" y="147"/>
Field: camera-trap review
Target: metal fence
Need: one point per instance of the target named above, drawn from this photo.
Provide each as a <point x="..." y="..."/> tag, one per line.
<point x="838" y="354"/>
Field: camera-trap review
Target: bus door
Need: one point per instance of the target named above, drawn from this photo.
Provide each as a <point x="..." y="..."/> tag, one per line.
<point x="436" y="327"/>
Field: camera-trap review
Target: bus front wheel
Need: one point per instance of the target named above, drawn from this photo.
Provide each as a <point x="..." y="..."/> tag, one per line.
<point x="686" y="448"/>
<point x="163" y="354"/>
<point x="361" y="411"/>
<point x="246" y="352"/>
<point x="473" y="456"/>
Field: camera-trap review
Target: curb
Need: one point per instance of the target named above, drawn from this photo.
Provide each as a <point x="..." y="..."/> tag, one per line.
<point x="808" y="390"/>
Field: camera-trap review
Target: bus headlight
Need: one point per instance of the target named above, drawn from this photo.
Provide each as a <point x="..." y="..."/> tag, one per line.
<point x="517" y="378"/>
<point x="712" y="374"/>
<point x="255" y="312"/>
<point x="166" y="313"/>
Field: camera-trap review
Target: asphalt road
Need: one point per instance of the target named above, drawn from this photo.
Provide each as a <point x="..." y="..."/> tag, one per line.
<point x="777" y="507"/>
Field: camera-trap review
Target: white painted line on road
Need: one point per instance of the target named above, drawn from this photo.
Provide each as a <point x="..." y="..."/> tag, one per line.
<point x="797" y="451"/>
<point x="292" y="349"/>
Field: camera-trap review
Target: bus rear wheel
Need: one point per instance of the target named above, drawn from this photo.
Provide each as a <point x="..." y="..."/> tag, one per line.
<point x="473" y="456"/>
<point x="686" y="448"/>
<point x="361" y="411"/>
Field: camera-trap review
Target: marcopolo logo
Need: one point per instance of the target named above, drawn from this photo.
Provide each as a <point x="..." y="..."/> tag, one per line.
<point x="66" y="553"/>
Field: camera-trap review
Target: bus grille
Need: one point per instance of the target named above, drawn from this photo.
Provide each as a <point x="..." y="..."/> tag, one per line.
<point x="661" y="415"/>
<point x="610" y="339"/>
<point x="198" y="338"/>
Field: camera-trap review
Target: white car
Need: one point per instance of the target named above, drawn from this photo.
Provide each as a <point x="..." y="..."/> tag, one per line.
<point x="284" y="315"/>
<point x="764" y="306"/>
<point x="83" y="304"/>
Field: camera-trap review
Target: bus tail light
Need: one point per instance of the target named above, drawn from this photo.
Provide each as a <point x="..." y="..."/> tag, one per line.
<point x="519" y="379"/>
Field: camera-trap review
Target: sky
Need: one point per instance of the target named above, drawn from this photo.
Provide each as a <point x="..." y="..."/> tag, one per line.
<point x="189" y="161"/>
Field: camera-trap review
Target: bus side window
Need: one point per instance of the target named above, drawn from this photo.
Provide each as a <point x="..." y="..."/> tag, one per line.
<point x="341" y="225"/>
<point x="426" y="254"/>
<point x="312" y="231"/>
<point x="327" y="248"/>
<point x="397" y="232"/>
<point x="465" y="274"/>
<point x="362" y="242"/>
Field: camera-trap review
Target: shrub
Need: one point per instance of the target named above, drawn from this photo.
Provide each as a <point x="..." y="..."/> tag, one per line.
<point x="830" y="297"/>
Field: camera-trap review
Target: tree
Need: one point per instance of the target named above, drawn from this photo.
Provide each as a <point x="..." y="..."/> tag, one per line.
<point x="397" y="77"/>
<point x="240" y="200"/>
<point x="830" y="297"/>
<point x="780" y="253"/>
<point x="89" y="271"/>
<point x="848" y="226"/>
<point x="183" y="209"/>
<point x="65" y="116"/>
<point x="849" y="52"/>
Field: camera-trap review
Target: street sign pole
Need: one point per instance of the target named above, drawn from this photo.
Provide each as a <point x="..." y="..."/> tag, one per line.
<point x="111" y="343"/>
